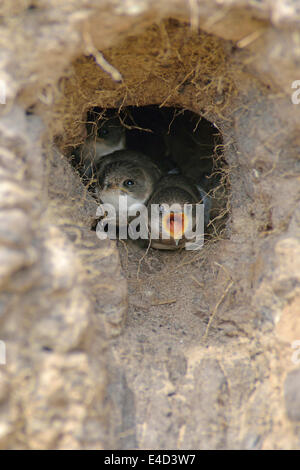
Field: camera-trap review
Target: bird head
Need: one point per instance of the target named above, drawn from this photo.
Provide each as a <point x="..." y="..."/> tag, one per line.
<point x="127" y="179"/>
<point x="105" y="129"/>
<point x="170" y="223"/>
<point x="111" y="132"/>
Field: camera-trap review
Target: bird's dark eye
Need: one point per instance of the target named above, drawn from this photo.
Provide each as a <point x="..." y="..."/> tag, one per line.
<point x="102" y="132"/>
<point x="128" y="183"/>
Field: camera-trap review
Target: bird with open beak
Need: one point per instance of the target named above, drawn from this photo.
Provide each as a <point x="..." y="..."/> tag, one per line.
<point x="104" y="137"/>
<point x="169" y="223"/>
<point x="126" y="174"/>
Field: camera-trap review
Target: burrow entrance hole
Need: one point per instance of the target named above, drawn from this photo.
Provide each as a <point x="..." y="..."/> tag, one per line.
<point x="174" y="125"/>
<point x="173" y="138"/>
<point x="177" y="140"/>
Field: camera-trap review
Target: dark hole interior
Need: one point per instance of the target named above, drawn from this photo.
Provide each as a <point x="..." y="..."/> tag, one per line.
<point x="179" y="140"/>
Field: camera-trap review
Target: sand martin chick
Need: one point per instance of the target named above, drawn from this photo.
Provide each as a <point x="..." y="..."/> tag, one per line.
<point x="126" y="174"/>
<point x="104" y="137"/>
<point x="168" y="229"/>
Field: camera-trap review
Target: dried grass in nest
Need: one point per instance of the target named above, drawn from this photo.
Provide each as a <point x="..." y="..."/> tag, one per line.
<point x="165" y="65"/>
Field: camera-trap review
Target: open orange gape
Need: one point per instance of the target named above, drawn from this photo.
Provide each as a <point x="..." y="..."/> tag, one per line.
<point x="175" y="224"/>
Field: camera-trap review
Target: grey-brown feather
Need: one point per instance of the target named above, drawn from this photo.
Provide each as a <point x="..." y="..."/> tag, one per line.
<point x="115" y="169"/>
